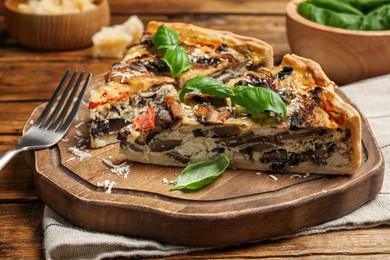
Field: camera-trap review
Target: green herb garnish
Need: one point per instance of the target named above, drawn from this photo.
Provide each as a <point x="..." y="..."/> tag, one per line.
<point x="175" y="56"/>
<point x="197" y="175"/>
<point x="255" y="99"/>
<point x="258" y="100"/>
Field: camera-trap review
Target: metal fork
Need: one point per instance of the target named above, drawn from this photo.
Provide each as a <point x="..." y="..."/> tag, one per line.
<point x="53" y="122"/>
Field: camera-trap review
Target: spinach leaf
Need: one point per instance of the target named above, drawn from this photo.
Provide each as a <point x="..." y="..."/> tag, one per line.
<point x="197" y="175"/>
<point x="348" y="14"/>
<point x="377" y="19"/>
<point x="177" y="60"/>
<point x="165" y="38"/>
<point x="337" y="6"/>
<point x="258" y="100"/>
<point x="365" y="5"/>
<point x="329" y="17"/>
<point x="205" y="85"/>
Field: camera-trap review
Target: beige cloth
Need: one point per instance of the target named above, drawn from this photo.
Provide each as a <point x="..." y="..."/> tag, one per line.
<point x="64" y="241"/>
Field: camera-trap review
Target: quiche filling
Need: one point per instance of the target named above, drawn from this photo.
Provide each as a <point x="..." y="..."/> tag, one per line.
<point x="139" y="105"/>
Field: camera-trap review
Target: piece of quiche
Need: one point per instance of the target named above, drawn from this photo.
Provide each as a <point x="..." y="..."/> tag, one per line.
<point x="317" y="132"/>
<point x="142" y="79"/>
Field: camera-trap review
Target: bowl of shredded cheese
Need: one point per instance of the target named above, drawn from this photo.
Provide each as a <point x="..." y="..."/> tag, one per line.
<point x="55" y="24"/>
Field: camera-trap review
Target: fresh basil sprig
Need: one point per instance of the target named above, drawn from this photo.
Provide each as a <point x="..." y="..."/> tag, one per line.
<point x="165" y="38"/>
<point x="206" y="85"/>
<point x="197" y="175"/>
<point x="258" y="100"/>
<point x="177" y="60"/>
<point x="254" y="99"/>
<point x="175" y="56"/>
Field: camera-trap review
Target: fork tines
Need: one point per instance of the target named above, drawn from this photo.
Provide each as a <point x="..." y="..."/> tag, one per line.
<point x="52" y="119"/>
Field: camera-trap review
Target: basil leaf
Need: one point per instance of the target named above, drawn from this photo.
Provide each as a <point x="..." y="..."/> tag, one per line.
<point x="258" y="100"/>
<point x="177" y="60"/>
<point x="197" y="175"/>
<point x="206" y="85"/>
<point x="165" y="38"/>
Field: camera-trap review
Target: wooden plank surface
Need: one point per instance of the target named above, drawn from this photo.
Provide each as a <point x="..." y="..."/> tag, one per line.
<point x="27" y="78"/>
<point x="23" y="240"/>
<point x="173" y="7"/>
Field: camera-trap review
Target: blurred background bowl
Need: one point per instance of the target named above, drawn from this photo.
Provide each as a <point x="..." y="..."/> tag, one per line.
<point x="345" y="55"/>
<point x="57" y="31"/>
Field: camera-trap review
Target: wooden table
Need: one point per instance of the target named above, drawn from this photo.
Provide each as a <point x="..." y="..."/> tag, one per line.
<point x="28" y="78"/>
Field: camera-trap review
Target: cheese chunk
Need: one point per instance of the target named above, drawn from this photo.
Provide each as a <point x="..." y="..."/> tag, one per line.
<point x="111" y="42"/>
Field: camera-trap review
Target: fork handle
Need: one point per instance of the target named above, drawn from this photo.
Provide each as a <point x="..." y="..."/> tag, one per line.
<point x="5" y="158"/>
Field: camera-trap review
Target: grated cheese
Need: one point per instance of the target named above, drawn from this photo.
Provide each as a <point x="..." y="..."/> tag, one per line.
<point x="121" y="170"/>
<point x="71" y="159"/>
<point x="107" y="185"/>
<point x="82" y="155"/>
<point x="79" y="124"/>
<point x="295" y="176"/>
<point x="273" y="177"/>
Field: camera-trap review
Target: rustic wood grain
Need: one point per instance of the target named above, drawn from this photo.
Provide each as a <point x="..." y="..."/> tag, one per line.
<point x="13" y="115"/>
<point x="321" y="246"/>
<point x="21" y="231"/>
<point x="195" y="6"/>
<point x="16" y="179"/>
<point x="173" y="7"/>
<point x="23" y="240"/>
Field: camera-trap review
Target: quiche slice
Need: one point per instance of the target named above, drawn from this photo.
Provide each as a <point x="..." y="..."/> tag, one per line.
<point x="317" y="132"/>
<point x="142" y="79"/>
<point x="321" y="133"/>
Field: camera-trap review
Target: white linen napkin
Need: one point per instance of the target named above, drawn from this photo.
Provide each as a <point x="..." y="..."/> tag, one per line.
<point x="65" y="241"/>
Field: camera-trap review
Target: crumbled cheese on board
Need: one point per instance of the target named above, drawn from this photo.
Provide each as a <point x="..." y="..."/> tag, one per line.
<point x="79" y="124"/>
<point x="107" y="185"/>
<point x="71" y="159"/>
<point x="121" y="170"/>
<point x="273" y="177"/>
<point x="82" y="155"/>
<point x="295" y="176"/>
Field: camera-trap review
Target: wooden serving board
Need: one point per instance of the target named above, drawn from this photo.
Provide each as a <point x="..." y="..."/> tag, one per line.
<point x="240" y="206"/>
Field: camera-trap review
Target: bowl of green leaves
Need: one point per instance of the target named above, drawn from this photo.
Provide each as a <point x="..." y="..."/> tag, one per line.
<point x="350" y="39"/>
